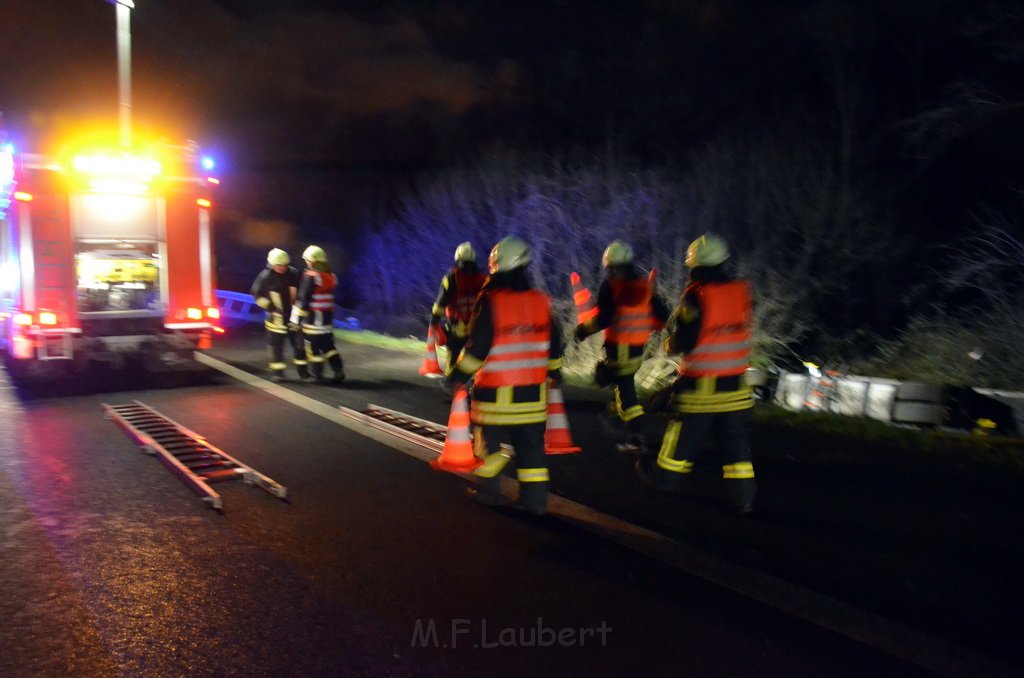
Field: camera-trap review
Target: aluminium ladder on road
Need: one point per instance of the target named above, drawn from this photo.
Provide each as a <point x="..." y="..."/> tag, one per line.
<point x="186" y="453"/>
<point x="427" y="434"/>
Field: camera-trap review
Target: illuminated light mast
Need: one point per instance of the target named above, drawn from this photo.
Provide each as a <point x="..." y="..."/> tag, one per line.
<point x="124" y="67"/>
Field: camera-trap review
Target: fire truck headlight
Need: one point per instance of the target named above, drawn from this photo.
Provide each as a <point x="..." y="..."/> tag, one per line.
<point x="47" y="318"/>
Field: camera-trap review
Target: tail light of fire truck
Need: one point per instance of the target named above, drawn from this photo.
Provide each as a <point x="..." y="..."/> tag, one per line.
<point x="47" y="318"/>
<point x="26" y="325"/>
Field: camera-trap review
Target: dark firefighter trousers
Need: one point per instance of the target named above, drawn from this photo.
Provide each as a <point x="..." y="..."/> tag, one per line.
<point x="530" y="463"/>
<point x="627" y="404"/>
<point x="319" y="350"/>
<point x="680" y="449"/>
<point x="275" y="344"/>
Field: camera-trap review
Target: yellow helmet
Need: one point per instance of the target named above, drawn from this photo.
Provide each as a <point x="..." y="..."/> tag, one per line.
<point x="707" y="250"/>
<point x="314" y="253"/>
<point x="465" y="252"/>
<point x="278" y="257"/>
<point x="510" y="252"/>
<point x="617" y="253"/>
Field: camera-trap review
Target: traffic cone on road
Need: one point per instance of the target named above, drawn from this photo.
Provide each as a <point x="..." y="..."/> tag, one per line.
<point x="430" y="367"/>
<point x="457" y="455"/>
<point x="557" y="439"/>
<point x="586" y="307"/>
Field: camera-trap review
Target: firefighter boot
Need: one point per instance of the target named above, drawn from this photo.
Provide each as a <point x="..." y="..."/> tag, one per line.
<point x="339" y="369"/>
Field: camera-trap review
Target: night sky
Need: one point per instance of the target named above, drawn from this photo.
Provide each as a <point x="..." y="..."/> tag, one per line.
<point x="927" y="93"/>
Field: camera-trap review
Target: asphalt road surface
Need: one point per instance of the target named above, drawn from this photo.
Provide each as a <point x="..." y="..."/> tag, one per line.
<point x="376" y="565"/>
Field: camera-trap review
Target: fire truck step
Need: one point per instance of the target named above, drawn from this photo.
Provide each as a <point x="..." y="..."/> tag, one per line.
<point x="194" y="460"/>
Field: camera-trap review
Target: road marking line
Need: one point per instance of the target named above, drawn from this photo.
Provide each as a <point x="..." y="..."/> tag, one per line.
<point x="885" y="635"/>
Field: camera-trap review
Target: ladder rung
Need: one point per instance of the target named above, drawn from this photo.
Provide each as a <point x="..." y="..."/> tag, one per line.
<point x="221" y="476"/>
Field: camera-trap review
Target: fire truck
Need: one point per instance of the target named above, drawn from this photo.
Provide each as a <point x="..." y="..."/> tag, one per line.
<point x="106" y="258"/>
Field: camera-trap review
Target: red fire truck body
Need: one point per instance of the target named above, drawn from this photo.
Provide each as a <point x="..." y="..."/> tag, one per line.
<point x="105" y="256"/>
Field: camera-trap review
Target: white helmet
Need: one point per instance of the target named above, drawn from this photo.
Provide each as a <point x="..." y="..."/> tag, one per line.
<point x="278" y="257"/>
<point x="707" y="250"/>
<point x="617" y="253"/>
<point x="314" y="253"/>
<point x="465" y="252"/>
<point x="509" y="253"/>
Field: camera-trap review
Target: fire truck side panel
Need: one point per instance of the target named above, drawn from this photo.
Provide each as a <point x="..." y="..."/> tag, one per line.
<point x="183" y="259"/>
<point x="51" y="278"/>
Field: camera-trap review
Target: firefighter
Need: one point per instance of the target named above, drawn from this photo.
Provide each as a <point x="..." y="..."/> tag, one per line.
<point x="628" y="310"/>
<point x="454" y="304"/>
<point x="712" y="329"/>
<point x="274" y="291"/>
<point x="512" y="351"/>
<point x="314" y="313"/>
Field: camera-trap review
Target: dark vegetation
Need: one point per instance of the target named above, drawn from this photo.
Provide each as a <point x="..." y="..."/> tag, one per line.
<point x="863" y="159"/>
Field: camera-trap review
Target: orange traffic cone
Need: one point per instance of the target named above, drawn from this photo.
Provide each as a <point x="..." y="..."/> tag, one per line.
<point x="586" y="307"/>
<point x="430" y="367"/>
<point x="652" y="278"/>
<point x="556" y="437"/>
<point x="457" y="455"/>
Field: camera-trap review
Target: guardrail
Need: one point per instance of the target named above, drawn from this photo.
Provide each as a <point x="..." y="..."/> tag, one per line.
<point x="903" y="402"/>
<point x="888" y="400"/>
<point x="241" y="306"/>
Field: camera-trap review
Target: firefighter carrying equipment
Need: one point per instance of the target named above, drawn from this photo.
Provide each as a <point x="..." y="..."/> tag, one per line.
<point x="465" y="253"/>
<point x="617" y="253"/>
<point x="314" y="253"/>
<point x="457" y="455"/>
<point x="707" y="250"/>
<point x="278" y="257"/>
<point x="196" y="462"/>
<point x="510" y="252"/>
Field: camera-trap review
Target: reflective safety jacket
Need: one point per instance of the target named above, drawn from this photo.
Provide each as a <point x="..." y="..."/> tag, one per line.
<point x="314" y="305"/>
<point x="723" y="343"/>
<point x="459" y="305"/>
<point x="510" y="382"/>
<point x="633" y="320"/>
<point x="628" y="311"/>
<point x="712" y="374"/>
